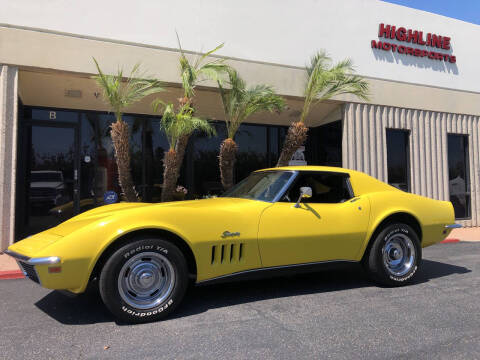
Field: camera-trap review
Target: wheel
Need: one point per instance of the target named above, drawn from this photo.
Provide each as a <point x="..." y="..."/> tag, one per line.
<point x="144" y="281"/>
<point x="394" y="256"/>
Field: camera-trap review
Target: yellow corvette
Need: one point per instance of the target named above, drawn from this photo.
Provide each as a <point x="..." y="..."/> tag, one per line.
<point x="292" y="218"/>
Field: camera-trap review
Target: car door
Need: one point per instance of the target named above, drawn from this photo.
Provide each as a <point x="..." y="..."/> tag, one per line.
<point x="331" y="225"/>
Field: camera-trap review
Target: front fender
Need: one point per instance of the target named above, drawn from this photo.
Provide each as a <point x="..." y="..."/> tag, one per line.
<point x="81" y="249"/>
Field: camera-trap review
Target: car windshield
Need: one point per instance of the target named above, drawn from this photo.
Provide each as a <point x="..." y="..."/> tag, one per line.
<point x="46" y="176"/>
<point x="263" y="186"/>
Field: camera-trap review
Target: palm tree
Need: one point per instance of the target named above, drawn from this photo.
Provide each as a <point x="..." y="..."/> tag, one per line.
<point x="239" y="102"/>
<point x="191" y="74"/>
<point x="176" y="124"/>
<point x="324" y="81"/>
<point x="120" y="94"/>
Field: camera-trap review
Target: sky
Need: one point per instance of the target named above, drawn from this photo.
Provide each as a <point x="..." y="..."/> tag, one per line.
<point x="465" y="10"/>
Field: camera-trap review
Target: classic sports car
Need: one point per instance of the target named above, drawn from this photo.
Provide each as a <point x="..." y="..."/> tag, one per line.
<point x="292" y="218"/>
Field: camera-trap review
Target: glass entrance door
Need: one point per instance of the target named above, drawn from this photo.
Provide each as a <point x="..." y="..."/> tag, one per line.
<point x="52" y="176"/>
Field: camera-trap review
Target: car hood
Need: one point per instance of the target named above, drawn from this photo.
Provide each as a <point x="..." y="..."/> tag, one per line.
<point x="122" y="212"/>
<point x="128" y="210"/>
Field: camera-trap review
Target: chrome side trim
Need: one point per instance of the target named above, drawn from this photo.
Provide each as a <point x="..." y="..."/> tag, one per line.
<point x="33" y="261"/>
<point x="21" y="269"/>
<point x="453" y="226"/>
<point x="350" y="188"/>
<point x="286" y="186"/>
<point x="274" y="268"/>
<point x="16" y="256"/>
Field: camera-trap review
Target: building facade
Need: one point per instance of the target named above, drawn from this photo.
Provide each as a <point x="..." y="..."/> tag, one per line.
<point x="419" y="130"/>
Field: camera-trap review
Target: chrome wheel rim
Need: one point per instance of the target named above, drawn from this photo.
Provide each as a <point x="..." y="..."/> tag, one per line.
<point x="398" y="254"/>
<point x="146" y="280"/>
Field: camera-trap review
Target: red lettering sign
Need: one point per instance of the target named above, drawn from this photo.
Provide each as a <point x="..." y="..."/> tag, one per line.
<point x="426" y="41"/>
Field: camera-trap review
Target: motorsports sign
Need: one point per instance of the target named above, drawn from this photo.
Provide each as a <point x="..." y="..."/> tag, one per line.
<point x="432" y="45"/>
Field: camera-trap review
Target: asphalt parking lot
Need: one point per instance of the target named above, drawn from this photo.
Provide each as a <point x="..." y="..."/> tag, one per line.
<point x="332" y="314"/>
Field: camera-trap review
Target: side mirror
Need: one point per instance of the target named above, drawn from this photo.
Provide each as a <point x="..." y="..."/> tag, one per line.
<point x="305" y="193"/>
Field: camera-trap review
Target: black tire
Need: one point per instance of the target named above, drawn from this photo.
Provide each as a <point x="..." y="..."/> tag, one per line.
<point x="151" y="254"/>
<point x="381" y="257"/>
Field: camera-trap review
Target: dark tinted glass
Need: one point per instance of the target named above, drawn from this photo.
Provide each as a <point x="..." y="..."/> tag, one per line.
<point x="155" y="146"/>
<point x="90" y="181"/>
<point x="397" y="159"/>
<point x="458" y="177"/>
<point x="258" y="148"/>
<point x="326" y="188"/>
<point x="107" y="165"/>
<point x="263" y="186"/>
<point x="324" y="145"/>
<point x="203" y="172"/>
<point x="252" y="149"/>
<point x="50" y="177"/>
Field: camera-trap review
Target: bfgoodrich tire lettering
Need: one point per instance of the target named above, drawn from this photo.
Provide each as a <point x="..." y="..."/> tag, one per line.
<point x="144" y="281"/>
<point x="395" y="255"/>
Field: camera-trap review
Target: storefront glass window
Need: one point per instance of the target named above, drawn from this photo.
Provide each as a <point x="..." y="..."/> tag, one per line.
<point x="155" y="145"/>
<point x="273" y="148"/>
<point x="398" y="159"/>
<point x="252" y="150"/>
<point x="89" y="166"/>
<point x="324" y="145"/>
<point x="458" y="175"/>
<point x="202" y="163"/>
<point x="50" y="176"/>
<point x="107" y="166"/>
<point x="89" y="181"/>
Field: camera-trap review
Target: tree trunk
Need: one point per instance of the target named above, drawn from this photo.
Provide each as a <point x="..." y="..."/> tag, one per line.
<point x="120" y="138"/>
<point x="296" y="136"/>
<point x="172" y="164"/>
<point x="180" y="148"/>
<point x="227" y="158"/>
<point x="169" y="175"/>
<point x="173" y="161"/>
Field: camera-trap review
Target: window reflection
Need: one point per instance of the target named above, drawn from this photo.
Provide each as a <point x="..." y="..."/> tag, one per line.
<point x="89" y="197"/>
<point x="91" y="153"/>
<point x="107" y="171"/>
<point x="206" y="174"/>
<point x="398" y="159"/>
<point x="324" y="145"/>
<point x="458" y="179"/>
<point x="50" y="176"/>
<point x="154" y="148"/>
<point x="252" y="150"/>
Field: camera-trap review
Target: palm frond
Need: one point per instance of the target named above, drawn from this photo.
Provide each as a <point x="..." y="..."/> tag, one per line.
<point x="120" y="93"/>
<point x="191" y="73"/>
<point x="240" y="102"/>
<point x="176" y="124"/>
<point x="326" y="80"/>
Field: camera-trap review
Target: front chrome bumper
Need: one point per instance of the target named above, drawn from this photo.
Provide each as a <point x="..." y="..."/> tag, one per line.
<point x="27" y="264"/>
<point x="33" y="261"/>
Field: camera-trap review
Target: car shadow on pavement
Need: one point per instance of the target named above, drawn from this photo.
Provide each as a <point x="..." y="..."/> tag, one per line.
<point x="203" y="298"/>
<point x="89" y="309"/>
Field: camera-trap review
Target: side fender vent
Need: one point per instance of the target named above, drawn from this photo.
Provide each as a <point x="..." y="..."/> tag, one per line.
<point x="229" y="253"/>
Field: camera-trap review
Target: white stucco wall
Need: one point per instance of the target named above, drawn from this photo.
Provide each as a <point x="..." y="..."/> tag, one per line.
<point x="276" y="31"/>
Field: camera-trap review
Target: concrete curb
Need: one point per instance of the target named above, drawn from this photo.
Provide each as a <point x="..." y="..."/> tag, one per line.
<point x="446" y="241"/>
<point x="12" y="274"/>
